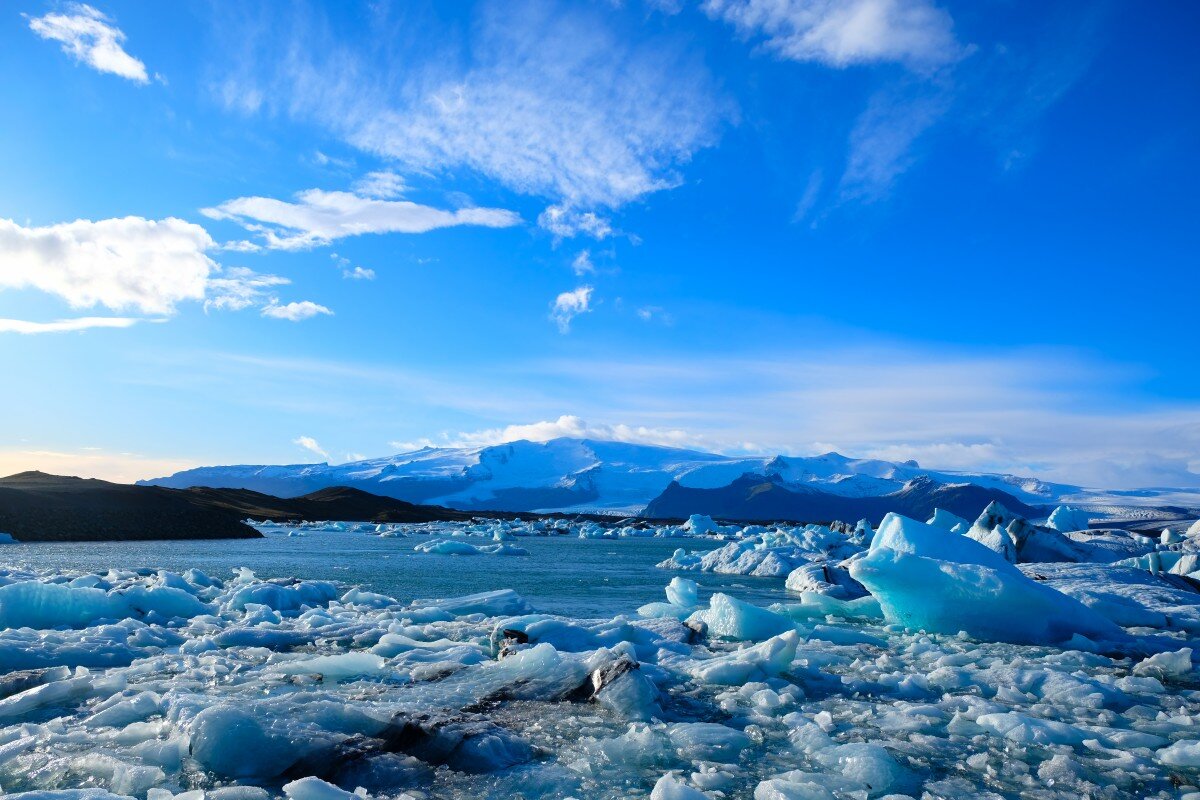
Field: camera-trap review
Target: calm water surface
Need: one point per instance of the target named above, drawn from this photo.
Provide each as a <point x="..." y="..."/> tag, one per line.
<point x="563" y="574"/>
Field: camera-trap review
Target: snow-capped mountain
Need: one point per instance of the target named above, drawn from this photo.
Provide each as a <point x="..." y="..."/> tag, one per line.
<point x="622" y="478"/>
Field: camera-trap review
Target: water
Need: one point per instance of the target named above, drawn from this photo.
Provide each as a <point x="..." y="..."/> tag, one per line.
<point x="562" y="575"/>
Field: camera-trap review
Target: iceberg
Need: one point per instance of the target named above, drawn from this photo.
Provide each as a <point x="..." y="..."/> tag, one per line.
<point x="929" y="579"/>
<point x="1066" y="518"/>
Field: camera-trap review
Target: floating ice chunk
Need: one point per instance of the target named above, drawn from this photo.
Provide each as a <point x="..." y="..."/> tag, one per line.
<point x="1065" y="518"/>
<point x="683" y="592"/>
<point x="729" y="618"/>
<point x="166" y="601"/>
<point x="55" y="693"/>
<point x="359" y="597"/>
<point x="334" y="668"/>
<point x="707" y="741"/>
<point x="1184" y="753"/>
<point x="447" y="547"/>
<point x="1170" y="536"/>
<point x="926" y="579"/>
<point x="824" y="578"/>
<point x="69" y="794"/>
<point x="681" y="559"/>
<point x="622" y="686"/>
<point x="6" y="538"/>
<point x="858" y="769"/>
<point x="233" y="743"/>
<point x="311" y="788"/>
<point x="765" y="660"/>
<point x="1031" y="730"/>
<point x="944" y="519"/>
<point x="291" y="597"/>
<point x="499" y="603"/>
<point x="32" y="604"/>
<point x="700" y="524"/>
<point x="669" y="787"/>
<point x="1166" y="665"/>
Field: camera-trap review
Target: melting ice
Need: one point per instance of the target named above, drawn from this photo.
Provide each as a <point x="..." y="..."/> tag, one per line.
<point x="948" y="658"/>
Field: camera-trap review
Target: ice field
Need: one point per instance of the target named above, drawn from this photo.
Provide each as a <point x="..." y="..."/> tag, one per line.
<point x="948" y="659"/>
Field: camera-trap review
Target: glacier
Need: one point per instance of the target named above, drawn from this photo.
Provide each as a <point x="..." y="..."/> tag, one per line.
<point x="578" y="475"/>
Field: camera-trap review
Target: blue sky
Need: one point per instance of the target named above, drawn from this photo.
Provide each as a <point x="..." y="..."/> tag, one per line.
<point x="962" y="232"/>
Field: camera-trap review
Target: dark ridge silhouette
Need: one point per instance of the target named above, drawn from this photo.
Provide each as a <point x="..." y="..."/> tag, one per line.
<point x="36" y="507"/>
<point x="755" y="498"/>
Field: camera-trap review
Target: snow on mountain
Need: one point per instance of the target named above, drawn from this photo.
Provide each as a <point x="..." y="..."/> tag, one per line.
<point x="622" y="478"/>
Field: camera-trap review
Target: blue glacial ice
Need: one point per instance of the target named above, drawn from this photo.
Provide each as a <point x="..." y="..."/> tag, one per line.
<point x="911" y="661"/>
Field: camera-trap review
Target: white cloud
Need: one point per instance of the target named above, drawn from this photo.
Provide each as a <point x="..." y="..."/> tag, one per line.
<point x="569" y="305"/>
<point x="295" y="312"/>
<point x="652" y="313"/>
<point x="129" y="264"/>
<point x="565" y="222"/>
<point x="354" y="273"/>
<point x="89" y="37"/>
<point x="840" y="33"/>
<point x="549" y="100"/>
<point x="565" y="426"/>
<point x="310" y="444"/>
<point x="319" y="217"/>
<point x="582" y="264"/>
<point x="1056" y="415"/>
<point x="241" y="288"/>
<point x="123" y="264"/>
<point x="66" y="325"/>
<point x="882" y="140"/>
<point x="383" y="185"/>
<point x="359" y="274"/>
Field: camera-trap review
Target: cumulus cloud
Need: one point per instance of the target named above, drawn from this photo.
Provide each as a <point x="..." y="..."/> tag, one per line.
<point x="354" y="273"/>
<point x="840" y="33"/>
<point x="90" y="38"/>
<point x="128" y="264"/>
<point x="569" y="305"/>
<point x="318" y="217"/>
<point x="123" y="264"/>
<point x="66" y="325"/>
<point x="310" y="444"/>
<point x="549" y="100"/>
<point x="295" y="312"/>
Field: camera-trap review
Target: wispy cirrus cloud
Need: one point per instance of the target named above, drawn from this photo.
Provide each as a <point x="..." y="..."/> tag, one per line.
<point x="549" y="100"/>
<point x="841" y="33"/>
<point x="316" y="217"/>
<point x="66" y="325"/>
<point x="91" y="38"/>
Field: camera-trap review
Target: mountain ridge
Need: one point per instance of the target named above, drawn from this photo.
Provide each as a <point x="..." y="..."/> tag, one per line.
<point x="597" y="476"/>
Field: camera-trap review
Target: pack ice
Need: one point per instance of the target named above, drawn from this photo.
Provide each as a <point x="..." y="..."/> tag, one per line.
<point x="940" y="659"/>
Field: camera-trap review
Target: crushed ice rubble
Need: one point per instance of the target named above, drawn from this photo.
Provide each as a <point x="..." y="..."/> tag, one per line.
<point x="946" y="659"/>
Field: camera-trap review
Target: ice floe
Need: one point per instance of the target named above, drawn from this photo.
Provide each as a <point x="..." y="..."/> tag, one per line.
<point x="940" y="659"/>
